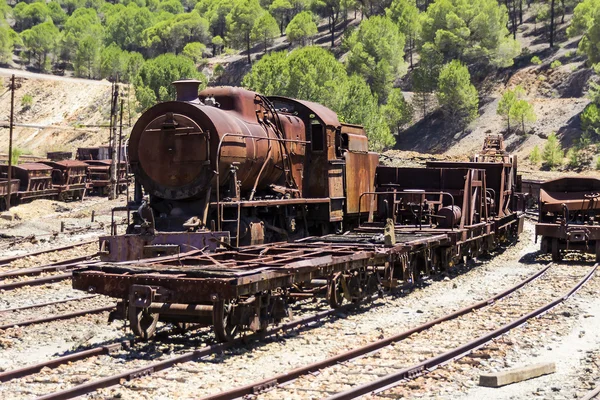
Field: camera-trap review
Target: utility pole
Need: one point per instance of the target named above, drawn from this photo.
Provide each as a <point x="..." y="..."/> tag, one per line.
<point x="110" y="123"/>
<point x="113" y="144"/>
<point x="10" y="139"/>
<point x="118" y="167"/>
<point x="552" y="27"/>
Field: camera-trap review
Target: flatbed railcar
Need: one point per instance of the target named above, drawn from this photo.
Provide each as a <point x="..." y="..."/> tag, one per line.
<point x="246" y="203"/>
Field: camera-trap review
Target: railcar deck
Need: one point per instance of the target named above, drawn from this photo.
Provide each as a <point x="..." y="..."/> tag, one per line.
<point x="234" y="273"/>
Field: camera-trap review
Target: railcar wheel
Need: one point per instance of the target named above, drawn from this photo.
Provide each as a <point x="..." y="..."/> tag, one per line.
<point x="223" y="324"/>
<point x="143" y="322"/>
<point x="335" y="291"/>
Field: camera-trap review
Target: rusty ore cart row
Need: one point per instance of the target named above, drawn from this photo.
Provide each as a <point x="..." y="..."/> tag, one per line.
<point x="61" y="178"/>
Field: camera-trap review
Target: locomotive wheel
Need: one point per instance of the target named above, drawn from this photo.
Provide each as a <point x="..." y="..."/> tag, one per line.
<point x="335" y="291"/>
<point x="143" y="323"/>
<point x="223" y="325"/>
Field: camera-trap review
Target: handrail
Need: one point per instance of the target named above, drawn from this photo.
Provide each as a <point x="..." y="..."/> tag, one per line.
<point x="408" y="192"/>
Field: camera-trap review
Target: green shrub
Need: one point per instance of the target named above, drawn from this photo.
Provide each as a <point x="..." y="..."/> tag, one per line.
<point x="541" y="78"/>
<point x="555" y="64"/>
<point x="590" y="119"/>
<point x="570" y="54"/>
<point x="27" y="101"/>
<point x="535" y="156"/>
<point x="536" y="60"/>
<point x="598" y="163"/>
<point x="553" y="152"/>
<point x="16" y="154"/>
<point x="218" y="70"/>
<point x="573" y="159"/>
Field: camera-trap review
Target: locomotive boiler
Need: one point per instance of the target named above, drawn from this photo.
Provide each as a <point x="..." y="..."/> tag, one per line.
<point x="262" y="168"/>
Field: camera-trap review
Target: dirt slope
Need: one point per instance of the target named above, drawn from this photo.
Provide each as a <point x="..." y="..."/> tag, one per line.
<point x="59" y="111"/>
<point x="557" y="94"/>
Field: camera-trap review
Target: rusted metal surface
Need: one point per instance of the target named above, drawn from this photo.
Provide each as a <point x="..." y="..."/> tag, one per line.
<point x="217" y="158"/>
<point x="422" y="196"/>
<point x="136" y="247"/>
<point x="59" y="155"/>
<point x="232" y="274"/>
<point x="99" y="153"/>
<point x="532" y="188"/>
<point x="4" y="186"/>
<point x="360" y="178"/>
<point x="35" y="180"/>
<point x="326" y="115"/>
<point x="99" y="173"/>
<point x="500" y="181"/>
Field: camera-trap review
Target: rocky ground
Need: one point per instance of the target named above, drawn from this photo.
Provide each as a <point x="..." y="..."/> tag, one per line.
<point x="36" y="226"/>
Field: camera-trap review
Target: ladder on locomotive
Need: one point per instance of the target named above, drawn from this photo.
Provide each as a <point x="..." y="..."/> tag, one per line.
<point x="236" y="220"/>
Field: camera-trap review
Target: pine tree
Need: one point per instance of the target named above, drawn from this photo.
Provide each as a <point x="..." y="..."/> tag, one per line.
<point x="456" y="95"/>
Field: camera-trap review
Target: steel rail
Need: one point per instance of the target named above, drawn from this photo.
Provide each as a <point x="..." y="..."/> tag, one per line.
<point x="57" y="317"/>
<point x="57" y="266"/>
<point x="36" y="282"/>
<point x="80" y="355"/>
<point x="592" y="394"/>
<point x="189" y="356"/>
<point x="432" y="363"/>
<point x="49" y="303"/>
<point x="296" y="373"/>
<point x="8" y="260"/>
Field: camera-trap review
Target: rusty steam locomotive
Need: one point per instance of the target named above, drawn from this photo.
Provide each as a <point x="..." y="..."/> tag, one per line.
<point x="250" y="202"/>
<point x="264" y="169"/>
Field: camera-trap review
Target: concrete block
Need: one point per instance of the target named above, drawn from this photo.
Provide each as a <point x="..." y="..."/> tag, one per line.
<point x="7" y="216"/>
<point x="507" y="377"/>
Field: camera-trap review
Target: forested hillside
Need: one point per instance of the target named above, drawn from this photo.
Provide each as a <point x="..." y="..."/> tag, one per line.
<point x="389" y="65"/>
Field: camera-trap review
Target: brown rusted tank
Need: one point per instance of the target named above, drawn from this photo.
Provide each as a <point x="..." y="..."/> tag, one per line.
<point x="178" y="150"/>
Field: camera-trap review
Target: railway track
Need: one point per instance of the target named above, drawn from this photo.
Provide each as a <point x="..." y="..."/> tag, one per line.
<point x="54" y="272"/>
<point x="382" y="365"/>
<point x="195" y="355"/>
<point x="52" y="311"/>
<point x="138" y="368"/>
<point x="7" y="260"/>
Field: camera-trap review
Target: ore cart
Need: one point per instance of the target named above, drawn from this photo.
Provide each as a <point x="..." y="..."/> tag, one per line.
<point x="569" y="216"/>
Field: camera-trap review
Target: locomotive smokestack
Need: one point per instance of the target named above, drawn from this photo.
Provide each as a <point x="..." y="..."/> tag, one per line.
<point x="187" y="90"/>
